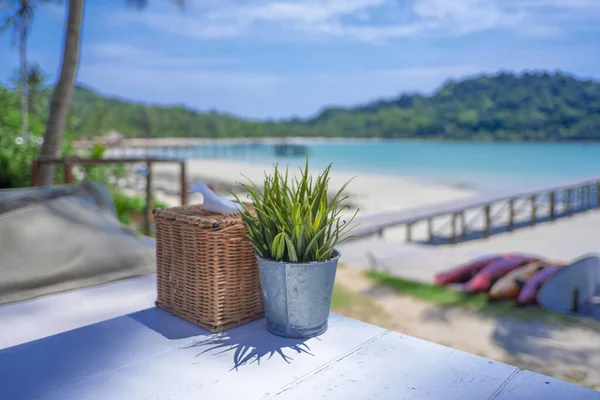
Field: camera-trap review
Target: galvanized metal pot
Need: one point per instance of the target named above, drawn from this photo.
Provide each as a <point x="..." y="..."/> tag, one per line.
<point x="297" y="296"/>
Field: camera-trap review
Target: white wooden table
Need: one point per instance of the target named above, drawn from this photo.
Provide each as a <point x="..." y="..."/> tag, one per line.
<point x="151" y="354"/>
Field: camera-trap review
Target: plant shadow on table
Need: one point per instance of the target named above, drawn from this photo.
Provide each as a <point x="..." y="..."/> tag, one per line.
<point x="251" y="344"/>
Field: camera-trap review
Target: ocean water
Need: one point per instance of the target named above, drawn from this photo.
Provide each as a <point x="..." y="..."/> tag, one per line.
<point x="485" y="167"/>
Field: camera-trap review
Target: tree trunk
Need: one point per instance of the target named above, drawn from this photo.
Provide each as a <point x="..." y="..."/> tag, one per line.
<point x="25" y="82"/>
<point x="63" y="91"/>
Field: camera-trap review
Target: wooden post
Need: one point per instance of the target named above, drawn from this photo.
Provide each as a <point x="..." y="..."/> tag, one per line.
<point x="184" y="193"/>
<point x="588" y="194"/>
<point x="581" y="194"/>
<point x="552" y="205"/>
<point x="409" y="232"/>
<point x="463" y="224"/>
<point x="488" y="220"/>
<point x="511" y="215"/>
<point x="533" y="209"/>
<point x="380" y="232"/>
<point x="453" y="227"/>
<point x="148" y="218"/>
<point x="68" y="170"/>
<point x="570" y="199"/>
<point x="35" y="173"/>
<point x="589" y="190"/>
<point x="430" y="229"/>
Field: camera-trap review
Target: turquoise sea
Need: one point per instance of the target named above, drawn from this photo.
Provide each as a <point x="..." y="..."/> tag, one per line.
<point x="485" y="167"/>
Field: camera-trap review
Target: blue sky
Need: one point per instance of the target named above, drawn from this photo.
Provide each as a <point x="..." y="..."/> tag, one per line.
<point x="282" y="58"/>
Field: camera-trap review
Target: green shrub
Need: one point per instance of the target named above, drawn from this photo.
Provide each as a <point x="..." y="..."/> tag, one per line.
<point x="16" y="156"/>
<point x="106" y="174"/>
<point x="128" y="206"/>
<point x="295" y="222"/>
<point x="16" y="151"/>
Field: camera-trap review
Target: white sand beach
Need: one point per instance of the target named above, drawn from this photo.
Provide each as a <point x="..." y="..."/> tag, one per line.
<point x="369" y="192"/>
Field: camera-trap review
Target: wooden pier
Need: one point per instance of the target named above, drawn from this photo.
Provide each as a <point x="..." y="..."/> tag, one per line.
<point x="286" y="149"/>
<point x="481" y="217"/>
<point x="186" y="148"/>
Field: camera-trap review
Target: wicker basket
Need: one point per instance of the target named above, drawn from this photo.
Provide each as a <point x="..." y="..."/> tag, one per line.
<point x="206" y="267"/>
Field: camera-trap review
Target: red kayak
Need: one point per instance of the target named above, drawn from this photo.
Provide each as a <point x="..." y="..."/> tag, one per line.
<point x="528" y="294"/>
<point x="464" y="272"/>
<point x="483" y="281"/>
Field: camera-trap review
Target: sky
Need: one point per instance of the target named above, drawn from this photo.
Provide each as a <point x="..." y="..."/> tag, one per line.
<point x="283" y="58"/>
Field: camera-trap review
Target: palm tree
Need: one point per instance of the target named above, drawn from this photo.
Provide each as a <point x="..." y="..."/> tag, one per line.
<point x="63" y="92"/>
<point x="20" y="20"/>
<point x="36" y="78"/>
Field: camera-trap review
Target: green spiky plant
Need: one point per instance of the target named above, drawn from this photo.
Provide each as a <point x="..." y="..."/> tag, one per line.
<point x="292" y="220"/>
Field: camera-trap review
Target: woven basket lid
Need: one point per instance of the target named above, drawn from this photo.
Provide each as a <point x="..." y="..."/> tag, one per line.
<point x="197" y="215"/>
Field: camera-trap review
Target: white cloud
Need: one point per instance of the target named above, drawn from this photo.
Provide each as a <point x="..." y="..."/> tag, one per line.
<point x="121" y="64"/>
<point x="466" y="16"/>
<point x="560" y="3"/>
<point x="231" y="19"/>
<point x="178" y="78"/>
<point x="308" y="12"/>
<point x="367" y="20"/>
<point x="131" y="56"/>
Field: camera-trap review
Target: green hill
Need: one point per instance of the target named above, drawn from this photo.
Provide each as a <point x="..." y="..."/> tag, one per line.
<point x="92" y="114"/>
<point x="505" y="106"/>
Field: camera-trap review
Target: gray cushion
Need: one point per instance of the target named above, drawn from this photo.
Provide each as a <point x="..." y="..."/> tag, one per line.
<point x="65" y="243"/>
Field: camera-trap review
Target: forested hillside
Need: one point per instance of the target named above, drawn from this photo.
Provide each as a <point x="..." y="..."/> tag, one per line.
<point x="500" y="107"/>
<point x="530" y="106"/>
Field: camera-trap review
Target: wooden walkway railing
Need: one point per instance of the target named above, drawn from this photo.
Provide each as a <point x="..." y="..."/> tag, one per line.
<point x="481" y="217"/>
<point x="68" y="164"/>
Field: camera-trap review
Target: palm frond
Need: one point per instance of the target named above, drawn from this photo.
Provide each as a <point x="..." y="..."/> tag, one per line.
<point x="8" y="23"/>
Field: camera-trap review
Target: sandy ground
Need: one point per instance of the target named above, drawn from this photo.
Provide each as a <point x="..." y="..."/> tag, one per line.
<point x="566" y="352"/>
